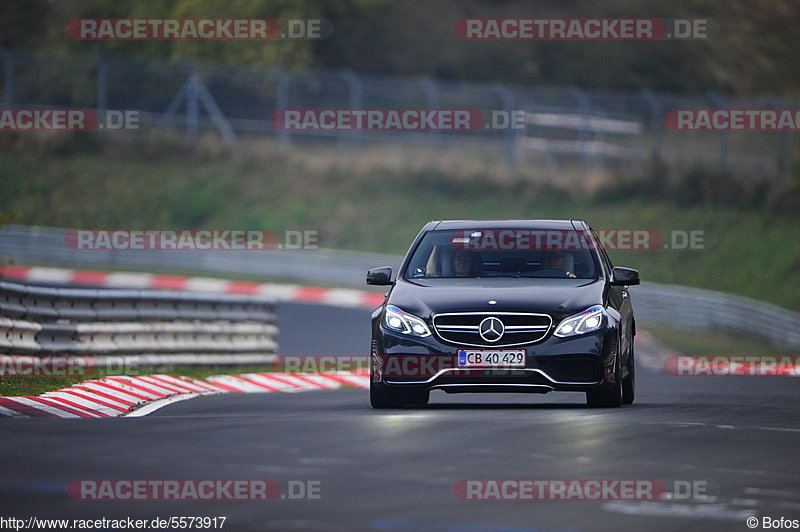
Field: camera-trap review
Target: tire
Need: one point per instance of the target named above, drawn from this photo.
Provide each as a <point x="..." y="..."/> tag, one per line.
<point x="610" y="398"/>
<point x="382" y="398"/>
<point x="629" y="382"/>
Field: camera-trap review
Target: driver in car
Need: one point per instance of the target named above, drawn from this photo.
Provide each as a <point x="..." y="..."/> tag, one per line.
<point x="555" y="260"/>
<point x="465" y="263"/>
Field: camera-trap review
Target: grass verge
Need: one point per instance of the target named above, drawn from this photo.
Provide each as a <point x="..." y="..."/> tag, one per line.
<point x="712" y="343"/>
<point x="749" y="244"/>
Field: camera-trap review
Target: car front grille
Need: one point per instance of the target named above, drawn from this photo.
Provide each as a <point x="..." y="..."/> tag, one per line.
<point x="518" y="328"/>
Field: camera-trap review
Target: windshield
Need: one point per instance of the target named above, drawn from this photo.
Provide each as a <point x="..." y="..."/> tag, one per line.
<point x="517" y="253"/>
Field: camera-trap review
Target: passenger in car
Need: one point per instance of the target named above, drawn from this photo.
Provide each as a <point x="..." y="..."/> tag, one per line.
<point x="558" y="260"/>
<point x="466" y="263"/>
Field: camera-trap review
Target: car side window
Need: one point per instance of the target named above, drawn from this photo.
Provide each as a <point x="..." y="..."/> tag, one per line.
<point x="609" y="267"/>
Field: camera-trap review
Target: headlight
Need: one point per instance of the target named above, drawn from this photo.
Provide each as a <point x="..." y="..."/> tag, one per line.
<point x="397" y="320"/>
<point x="589" y="320"/>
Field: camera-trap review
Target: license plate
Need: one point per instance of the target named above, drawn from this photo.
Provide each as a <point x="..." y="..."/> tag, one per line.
<point x="491" y="359"/>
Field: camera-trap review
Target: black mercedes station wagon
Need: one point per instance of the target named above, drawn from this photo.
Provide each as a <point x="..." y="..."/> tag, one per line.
<point x="503" y="306"/>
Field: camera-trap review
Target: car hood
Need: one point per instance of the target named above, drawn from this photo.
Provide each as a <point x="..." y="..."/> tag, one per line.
<point x="557" y="297"/>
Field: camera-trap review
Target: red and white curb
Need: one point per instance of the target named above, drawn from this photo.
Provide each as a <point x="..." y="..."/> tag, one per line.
<point x="138" y="396"/>
<point x="340" y="297"/>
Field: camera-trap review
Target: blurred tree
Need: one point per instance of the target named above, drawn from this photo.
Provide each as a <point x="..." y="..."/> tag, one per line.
<point x="754" y="51"/>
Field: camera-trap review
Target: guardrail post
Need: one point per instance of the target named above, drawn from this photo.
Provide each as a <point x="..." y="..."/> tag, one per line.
<point x="356" y="88"/>
<point x="583" y="106"/>
<point x="281" y="103"/>
<point x="656" y="125"/>
<point x="721" y="103"/>
<point x="510" y="133"/>
<point x="8" y="77"/>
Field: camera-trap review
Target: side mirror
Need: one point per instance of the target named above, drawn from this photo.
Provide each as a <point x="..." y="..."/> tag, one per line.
<point x="624" y="276"/>
<point x="380" y="276"/>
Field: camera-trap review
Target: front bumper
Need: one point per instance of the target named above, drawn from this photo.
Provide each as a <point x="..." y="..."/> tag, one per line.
<point x="579" y="364"/>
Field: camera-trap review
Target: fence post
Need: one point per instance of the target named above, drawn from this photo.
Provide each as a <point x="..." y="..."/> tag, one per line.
<point x="720" y="103"/>
<point x="356" y="88"/>
<point x="192" y="109"/>
<point x="656" y="126"/>
<point x="8" y="77"/>
<point x="216" y="115"/>
<point x="583" y="106"/>
<point x="102" y="86"/>
<point x="281" y="103"/>
<point x="783" y="143"/>
<point x="507" y="100"/>
<point x="432" y="101"/>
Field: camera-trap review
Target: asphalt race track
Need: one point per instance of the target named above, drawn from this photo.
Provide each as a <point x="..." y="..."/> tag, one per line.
<point x="395" y="470"/>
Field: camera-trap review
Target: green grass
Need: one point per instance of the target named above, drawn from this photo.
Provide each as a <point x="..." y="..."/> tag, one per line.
<point x="709" y="343"/>
<point x="369" y="204"/>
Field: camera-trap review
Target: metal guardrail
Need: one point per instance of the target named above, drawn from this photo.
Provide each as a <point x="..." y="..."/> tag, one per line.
<point x="81" y="304"/>
<point x="45" y="321"/>
<point x="668" y="305"/>
<point x="46" y="246"/>
<point x="695" y="308"/>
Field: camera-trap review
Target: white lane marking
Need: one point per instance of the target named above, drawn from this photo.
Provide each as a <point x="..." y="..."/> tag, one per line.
<point x="149" y="408"/>
<point x="715" y="426"/>
<point x="794" y="495"/>
<point x="10" y="413"/>
<point x="744" y="502"/>
<point x="672" y="509"/>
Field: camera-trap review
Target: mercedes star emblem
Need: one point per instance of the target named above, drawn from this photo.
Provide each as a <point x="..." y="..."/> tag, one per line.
<point x="491" y="329"/>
